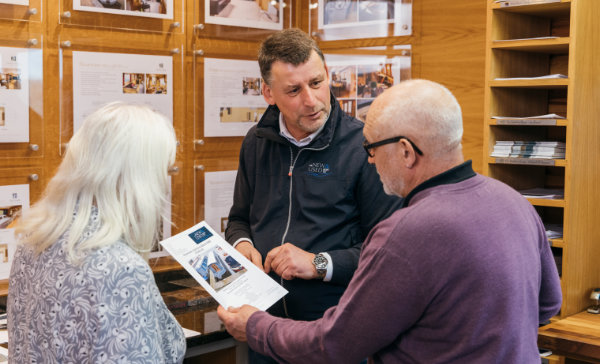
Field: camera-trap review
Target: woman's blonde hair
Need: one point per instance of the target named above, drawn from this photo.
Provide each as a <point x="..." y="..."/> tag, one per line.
<point x="117" y="161"/>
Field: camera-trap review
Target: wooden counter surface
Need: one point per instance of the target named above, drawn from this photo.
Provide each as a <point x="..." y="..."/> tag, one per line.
<point x="576" y="337"/>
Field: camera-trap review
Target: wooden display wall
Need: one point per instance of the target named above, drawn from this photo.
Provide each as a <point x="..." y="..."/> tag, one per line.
<point x="448" y="46"/>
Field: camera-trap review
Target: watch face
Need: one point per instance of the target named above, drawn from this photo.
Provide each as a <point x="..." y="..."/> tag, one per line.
<point x="320" y="262"/>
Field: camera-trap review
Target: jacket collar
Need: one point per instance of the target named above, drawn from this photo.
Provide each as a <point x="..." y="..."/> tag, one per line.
<point x="268" y="126"/>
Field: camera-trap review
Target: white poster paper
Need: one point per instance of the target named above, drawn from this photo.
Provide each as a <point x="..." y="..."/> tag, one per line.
<point x="263" y="14"/>
<point x="99" y="78"/>
<point x="14" y="95"/>
<point x="15" y="2"/>
<point x="14" y="199"/>
<point x="147" y="8"/>
<point x="158" y="250"/>
<point x="233" y="100"/>
<point x="218" y="198"/>
<point x="230" y="278"/>
<point x="356" y="80"/>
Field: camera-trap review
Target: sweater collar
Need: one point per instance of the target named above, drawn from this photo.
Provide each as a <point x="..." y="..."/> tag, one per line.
<point x="454" y="175"/>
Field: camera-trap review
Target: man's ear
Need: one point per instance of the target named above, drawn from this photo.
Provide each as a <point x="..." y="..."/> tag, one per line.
<point x="267" y="94"/>
<point x="409" y="155"/>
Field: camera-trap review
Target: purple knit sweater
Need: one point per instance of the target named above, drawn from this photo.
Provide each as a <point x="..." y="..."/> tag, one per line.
<point x="463" y="274"/>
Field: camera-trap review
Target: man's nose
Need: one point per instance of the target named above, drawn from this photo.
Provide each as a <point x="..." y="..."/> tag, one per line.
<point x="309" y="97"/>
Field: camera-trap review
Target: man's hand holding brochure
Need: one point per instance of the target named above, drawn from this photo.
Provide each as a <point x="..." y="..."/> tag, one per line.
<point x="221" y="270"/>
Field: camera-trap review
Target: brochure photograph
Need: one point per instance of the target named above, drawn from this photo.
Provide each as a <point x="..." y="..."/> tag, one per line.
<point x="230" y="278"/>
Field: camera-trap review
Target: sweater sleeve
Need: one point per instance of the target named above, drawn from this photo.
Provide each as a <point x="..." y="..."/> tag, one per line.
<point x="362" y="317"/>
<point x="374" y="205"/>
<point x="550" y="297"/>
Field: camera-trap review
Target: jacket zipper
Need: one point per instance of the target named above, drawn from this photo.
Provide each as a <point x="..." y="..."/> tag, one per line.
<point x="287" y="226"/>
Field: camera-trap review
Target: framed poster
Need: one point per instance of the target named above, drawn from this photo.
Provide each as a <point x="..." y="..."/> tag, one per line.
<point x="146" y="8"/>
<point x="100" y="77"/>
<point x="356" y="80"/>
<point x="351" y="19"/>
<point x="218" y="190"/>
<point x="14" y="199"/>
<point x="15" y="2"/>
<point x="233" y="99"/>
<point x="14" y="95"/>
<point x="261" y="14"/>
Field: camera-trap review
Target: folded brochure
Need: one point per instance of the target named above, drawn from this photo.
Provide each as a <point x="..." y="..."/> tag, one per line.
<point x="230" y="278"/>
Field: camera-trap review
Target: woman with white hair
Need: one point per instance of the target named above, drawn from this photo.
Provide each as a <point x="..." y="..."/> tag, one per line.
<point x="80" y="290"/>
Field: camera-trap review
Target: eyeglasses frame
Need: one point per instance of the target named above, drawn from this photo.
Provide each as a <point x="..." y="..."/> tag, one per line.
<point x="368" y="146"/>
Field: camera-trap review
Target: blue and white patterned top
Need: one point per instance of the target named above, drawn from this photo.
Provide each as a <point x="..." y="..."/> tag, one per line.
<point x="106" y="310"/>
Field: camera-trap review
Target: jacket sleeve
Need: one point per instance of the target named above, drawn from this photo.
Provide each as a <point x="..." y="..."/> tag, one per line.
<point x="238" y="224"/>
<point x="374" y="205"/>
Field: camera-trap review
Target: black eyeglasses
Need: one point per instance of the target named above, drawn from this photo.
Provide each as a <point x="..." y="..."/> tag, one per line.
<point x="368" y="146"/>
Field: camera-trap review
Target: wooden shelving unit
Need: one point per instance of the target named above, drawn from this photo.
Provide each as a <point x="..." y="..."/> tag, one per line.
<point x="525" y="42"/>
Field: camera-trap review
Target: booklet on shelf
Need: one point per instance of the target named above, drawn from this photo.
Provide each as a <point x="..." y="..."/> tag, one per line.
<point x="221" y="270"/>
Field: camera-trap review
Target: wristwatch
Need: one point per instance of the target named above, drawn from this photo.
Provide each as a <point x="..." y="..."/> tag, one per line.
<point x="321" y="263"/>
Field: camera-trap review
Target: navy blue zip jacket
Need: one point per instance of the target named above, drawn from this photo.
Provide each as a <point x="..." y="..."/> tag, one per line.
<point x="329" y="203"/>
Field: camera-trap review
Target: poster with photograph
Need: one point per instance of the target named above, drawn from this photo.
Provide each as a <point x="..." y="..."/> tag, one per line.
<point x="14" y="95"/>
<point x="346" y="19"/>
<point x="262" y="14"/>
<point x="233" y="99"/>
<point x="99" y="78"/>
<point x="218" y="198"/>
<point x="147" y="8"/>
<point x="357" y="80"/>
<point x="15" y="2"/>
<point x="230" y="278"/>
<point x="14" y="199"/>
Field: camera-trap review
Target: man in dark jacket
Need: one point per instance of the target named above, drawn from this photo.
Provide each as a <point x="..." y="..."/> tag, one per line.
<point x="305" y="196"/>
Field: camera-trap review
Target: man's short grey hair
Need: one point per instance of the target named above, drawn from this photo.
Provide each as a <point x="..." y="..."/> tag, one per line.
<point x="291" y="46"/>
<point x="430" y="111"/>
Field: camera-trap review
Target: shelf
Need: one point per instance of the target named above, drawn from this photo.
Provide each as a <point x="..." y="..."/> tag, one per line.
<point x="3" y="287"/>
<point x="540" y="9"/>
<point x="547" y="203"/>
<point x="164" y="264"/>
<point x="527" y="122"/>
<point x="536" y="84"/>
<point x="558" y="45"/>
<point x="557" y="243"/>
<point x="528" y="161"/>
<point x="158" y="265"/>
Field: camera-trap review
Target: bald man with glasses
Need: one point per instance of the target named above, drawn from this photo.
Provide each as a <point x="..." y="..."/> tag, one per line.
<point x="462" y="274"/>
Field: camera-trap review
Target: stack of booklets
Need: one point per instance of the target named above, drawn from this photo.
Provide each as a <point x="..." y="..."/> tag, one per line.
<point x="547" y="193"/>
<point x="554" y="231"/>
<point x="526" y="149"/>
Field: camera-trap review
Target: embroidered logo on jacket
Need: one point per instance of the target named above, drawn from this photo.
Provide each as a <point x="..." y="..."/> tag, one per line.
<point x="318" y="169"/>
<point x="200" y="235"/>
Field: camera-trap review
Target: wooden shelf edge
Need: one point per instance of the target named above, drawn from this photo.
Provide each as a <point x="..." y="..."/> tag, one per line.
<point x="546" y="202"/>
<point x="527" y="8"/>
<point x="557" y="243"/>
<point x="528" y="161"/>
<point x="535" y="83"/>
<point x="553" y="45"/>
